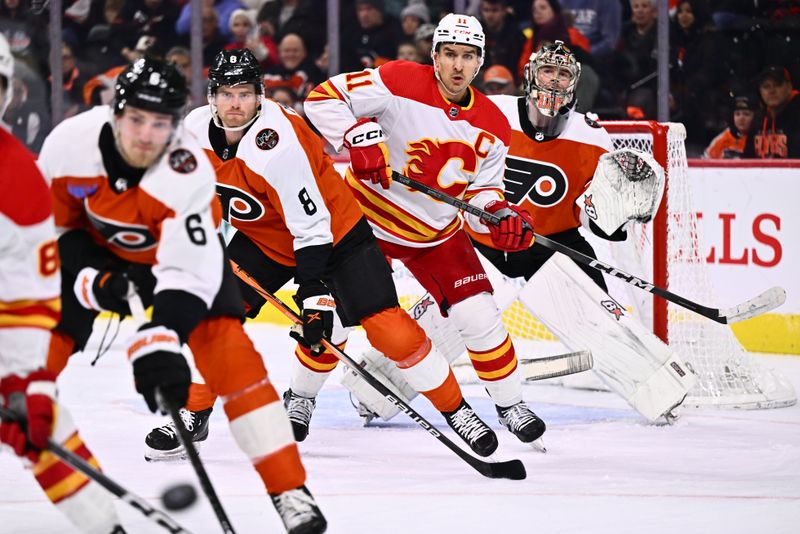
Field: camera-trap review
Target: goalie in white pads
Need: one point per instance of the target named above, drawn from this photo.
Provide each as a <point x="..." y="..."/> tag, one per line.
<point x="561" y="170"/>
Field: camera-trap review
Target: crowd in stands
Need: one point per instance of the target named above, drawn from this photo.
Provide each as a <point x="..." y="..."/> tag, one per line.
<point x="728" y="58"/>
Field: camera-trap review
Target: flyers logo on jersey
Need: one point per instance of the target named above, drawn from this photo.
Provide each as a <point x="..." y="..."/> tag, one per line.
<point x="613" y="308"/>
<point x="237" y="204"/>
<point x="428" y="158"/>
<point x="544" y="184"/>
<point x="131" y="237"/>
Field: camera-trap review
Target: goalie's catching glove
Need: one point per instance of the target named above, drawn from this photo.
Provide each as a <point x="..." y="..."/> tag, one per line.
<point x="514" y="232"/>
<point x="369" y="156"/>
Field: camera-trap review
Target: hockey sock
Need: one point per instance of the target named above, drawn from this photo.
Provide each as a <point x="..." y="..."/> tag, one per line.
<point x="61" y="348"/>
<point x="200" y="397"/>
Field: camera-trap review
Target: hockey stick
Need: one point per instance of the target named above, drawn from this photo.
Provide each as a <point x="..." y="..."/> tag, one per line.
<point x="511" y="469"/>
<point x="79" y="464"/>
<point x="766" y="301"/>
<point x="552" y="366"/>
<point x="137" y="311"/>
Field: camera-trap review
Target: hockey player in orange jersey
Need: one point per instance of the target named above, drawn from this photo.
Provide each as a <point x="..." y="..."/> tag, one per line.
<point x="561" y="167"/>
<point x="430" y="124"/>
<point x="29" y="309"/>
<point x="292" y="216"/>
<point x="138" y="207"/>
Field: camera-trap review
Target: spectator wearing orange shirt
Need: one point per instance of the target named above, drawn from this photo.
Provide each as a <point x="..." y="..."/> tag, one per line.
<point x="729" y="144"/>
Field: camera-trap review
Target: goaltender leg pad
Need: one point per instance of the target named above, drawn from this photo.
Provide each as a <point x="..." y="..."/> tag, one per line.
<point x="629" y="359"/>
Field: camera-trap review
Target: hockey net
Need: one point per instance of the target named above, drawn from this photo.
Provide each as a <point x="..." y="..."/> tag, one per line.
<point x="668" y="252"/>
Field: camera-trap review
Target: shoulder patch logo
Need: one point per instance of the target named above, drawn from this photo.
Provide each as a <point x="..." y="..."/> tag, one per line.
<point x="267" y="139"/>
<point x="182" y="161"/>
<point x="591" y="119"/>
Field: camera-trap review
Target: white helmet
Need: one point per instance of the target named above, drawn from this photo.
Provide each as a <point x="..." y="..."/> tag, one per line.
<point x="460" y="29"/>
<point x="549" y="103"/>
<point x="6" y="71"/>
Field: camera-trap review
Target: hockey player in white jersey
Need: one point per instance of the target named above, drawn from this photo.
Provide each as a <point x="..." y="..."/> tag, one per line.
<point x="431" y="125"/>
<point x="139" y="207"/>
<point x="293" y="217"/>
<point x="562" y="168"/>
<point x="29" y="309"/>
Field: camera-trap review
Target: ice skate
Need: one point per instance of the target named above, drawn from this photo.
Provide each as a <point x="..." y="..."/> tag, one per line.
<point x="523" y="423"/>
<point x="469" y="427"/>
<point x="299" y="410"/>
<point x="299" y="511"/>
<point x="163" y="443"/>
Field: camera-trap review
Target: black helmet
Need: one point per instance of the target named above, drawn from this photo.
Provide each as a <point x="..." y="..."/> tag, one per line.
<point x="234" y="67"/>
<point x="151" y="85"/>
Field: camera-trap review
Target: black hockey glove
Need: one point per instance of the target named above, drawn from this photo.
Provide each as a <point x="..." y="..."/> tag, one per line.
<point x="316" y="310"/>
<point x="102" y="290"/>
<point x="158" y="365"/>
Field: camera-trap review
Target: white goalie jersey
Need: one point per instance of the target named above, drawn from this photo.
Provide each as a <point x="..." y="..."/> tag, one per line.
<point x="458" y="150"/>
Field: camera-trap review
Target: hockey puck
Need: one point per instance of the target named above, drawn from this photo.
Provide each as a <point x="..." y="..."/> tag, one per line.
<point x="179" y="497"/>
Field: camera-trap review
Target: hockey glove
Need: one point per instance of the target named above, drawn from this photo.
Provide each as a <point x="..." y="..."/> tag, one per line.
<point x="32" y="398"/>
<point x="369" y="156"/>
<point x="102" y="290"/>
<point x="316" y="310"/>
<point x="159" y="366"/>
<point x="514" y="232"/>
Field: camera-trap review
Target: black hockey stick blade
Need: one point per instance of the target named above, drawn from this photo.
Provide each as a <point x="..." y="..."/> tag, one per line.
<point x="82" y="466"/>
<point x="763" y="303"/>
<point x="511" y="469"/>
<point x="552" y="366"/>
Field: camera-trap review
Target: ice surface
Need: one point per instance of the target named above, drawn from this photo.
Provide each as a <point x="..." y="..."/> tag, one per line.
<point x="606" y="470"/>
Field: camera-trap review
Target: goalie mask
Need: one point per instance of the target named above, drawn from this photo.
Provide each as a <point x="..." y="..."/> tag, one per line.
<point x="551" y="77"/>
<point x="229" y="69"/>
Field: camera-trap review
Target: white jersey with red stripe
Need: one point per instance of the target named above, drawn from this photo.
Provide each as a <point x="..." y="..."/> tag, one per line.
<point x="167" y="220"/>
<point x="458" y="150"/>
<point x="30" y="282"/>
<point x="545" y="175"/>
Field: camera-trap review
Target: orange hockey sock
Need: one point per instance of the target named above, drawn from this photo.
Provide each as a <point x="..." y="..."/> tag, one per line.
<point x="61" y="348"/>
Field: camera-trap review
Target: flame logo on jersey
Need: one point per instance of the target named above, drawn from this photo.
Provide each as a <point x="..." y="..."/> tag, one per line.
<point x="428" y="158"/>
<point x="613" y="308"/>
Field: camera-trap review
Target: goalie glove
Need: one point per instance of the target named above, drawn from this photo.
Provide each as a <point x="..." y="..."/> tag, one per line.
<point x="102" y="290"/>
<point x="316" y="311"/>
<point x="627" y="186"/>
<point x="514" y="232"/>
<point x="369" y="156"/>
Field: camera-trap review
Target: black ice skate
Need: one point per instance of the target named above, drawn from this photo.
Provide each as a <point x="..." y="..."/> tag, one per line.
<point x="163" y="444"/>
<point x="299" y="410"/>
<point x="469" y="427"/>
<point x="299" y="512"/>
<point x="523" y="423"/>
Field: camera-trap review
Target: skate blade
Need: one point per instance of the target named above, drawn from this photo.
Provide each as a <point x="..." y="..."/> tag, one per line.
<point x="175" y="455"/>
<point x="538" y="445"/>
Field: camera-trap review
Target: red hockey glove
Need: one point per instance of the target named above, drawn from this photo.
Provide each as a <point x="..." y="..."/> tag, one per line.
<point x="32" y="398"/>
<point x="369" y="157"/>
<point x="511" y="234"/>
